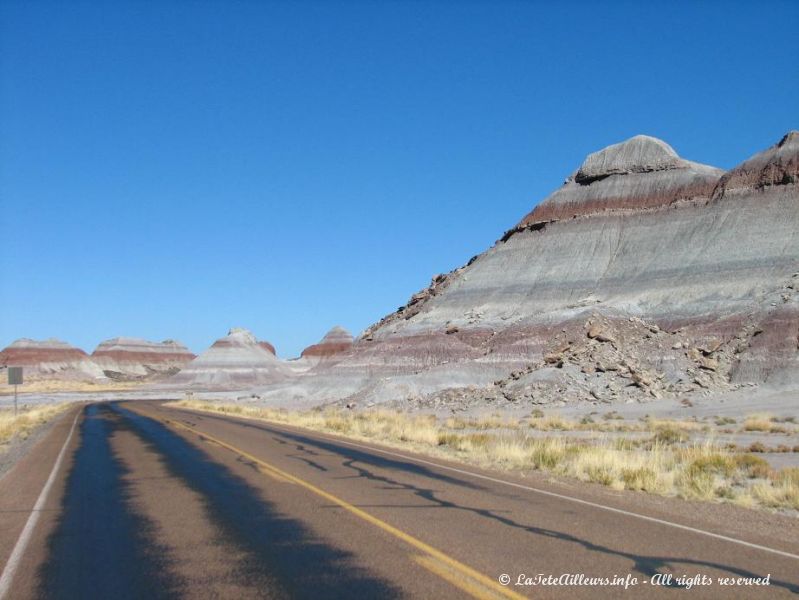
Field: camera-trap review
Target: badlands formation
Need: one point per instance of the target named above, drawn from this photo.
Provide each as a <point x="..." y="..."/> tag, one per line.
<point x="115" y="360"/>
<point x="127" y="359"/>
<point x="644" y="276"/>
<point x="240" y="361"/>
<point x="236" y="361"/>
<point x="50" y="359"/>
<point x="335" y="342"/>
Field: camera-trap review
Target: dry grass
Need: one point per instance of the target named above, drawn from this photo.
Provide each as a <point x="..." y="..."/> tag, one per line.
<point x="674" y="424"/>
<point x="28" y="419"/>
<point x="69" y="386"/>
<point x="766" y="423"/>
<point x="782" y="491"/>
<point x="550" y="423"/>
<point x="492" y="421"/>
<point x="611" y="422"/>
<point x="664" y="464"/>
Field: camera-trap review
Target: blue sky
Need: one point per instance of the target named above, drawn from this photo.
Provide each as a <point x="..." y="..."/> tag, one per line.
<point x="175" y="169"/>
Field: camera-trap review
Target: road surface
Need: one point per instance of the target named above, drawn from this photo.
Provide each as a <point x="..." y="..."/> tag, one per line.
<point x="148" y="501"/>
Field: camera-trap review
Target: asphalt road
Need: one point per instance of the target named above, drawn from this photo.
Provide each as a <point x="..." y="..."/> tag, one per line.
<point x="153" y="502"/>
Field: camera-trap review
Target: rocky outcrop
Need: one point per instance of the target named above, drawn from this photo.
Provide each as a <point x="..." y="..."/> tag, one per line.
<point x="335" y="342"/>
<point x="417" y="302"/>
<point x="779" y="165"/>
<point x="236" y="361"/>
<point x="641" y="173"/>
<point x="645" y="275"/>
<point x="50" y="359"/>
<point x="126" y="359"/>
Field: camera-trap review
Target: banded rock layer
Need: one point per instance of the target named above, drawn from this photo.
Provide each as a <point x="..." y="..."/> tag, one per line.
<point x="125" y="358"/>
<point x="235" y="361"/>
<point x="268" y="347"/>
<point x="644" y="275"/>
<point x="50" y="359"/>
<point x="335" y="342"/>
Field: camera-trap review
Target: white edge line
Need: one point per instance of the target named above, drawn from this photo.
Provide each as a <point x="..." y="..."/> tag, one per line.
<point x="24" y="538"/>
<point x="532" y="489"/>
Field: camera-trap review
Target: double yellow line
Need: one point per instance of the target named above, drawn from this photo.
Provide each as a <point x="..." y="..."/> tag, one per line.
<point x="465" y="578"/>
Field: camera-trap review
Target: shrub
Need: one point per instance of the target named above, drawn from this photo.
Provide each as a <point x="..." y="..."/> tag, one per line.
<point x="489" y="422"/>
<point x="764" y="423"/>
<point x="784" y="419"/>
<point x="726" y="492"/>
<point x="697" y="484"/>
<point x="600" y="474"/>
<point x="640" y="478"/>
<point x="789" y="475"/>
<point x="547" y="454"/>
<point x="448" y="439"/>
<point x="714" y="464"/>
<point x="477" y="440"/>
<point x="752" y="466"/>
<point x="783" y="494"/>
<point x="668" y="436"/>
<point x="757" y="423"/>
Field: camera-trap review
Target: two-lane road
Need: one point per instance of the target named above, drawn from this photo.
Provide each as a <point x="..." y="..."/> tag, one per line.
<point x="151" y="502"/>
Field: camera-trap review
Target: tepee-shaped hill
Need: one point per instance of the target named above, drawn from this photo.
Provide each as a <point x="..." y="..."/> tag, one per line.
<point x="335" y="342"/>
<point x="128" y="358"/>
<point x="645" y="275"/>
<point x="50" y="359"/>
<point x="235" y="361"/>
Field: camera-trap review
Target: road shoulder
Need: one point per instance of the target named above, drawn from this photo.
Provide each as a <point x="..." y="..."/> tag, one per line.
<point x="22" y="484"/>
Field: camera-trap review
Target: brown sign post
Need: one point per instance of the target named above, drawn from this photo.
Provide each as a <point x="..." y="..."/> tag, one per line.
<point x="15" y="379"/>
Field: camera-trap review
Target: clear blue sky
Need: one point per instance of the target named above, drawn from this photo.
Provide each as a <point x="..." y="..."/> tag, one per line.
<point x="174" y="169"/>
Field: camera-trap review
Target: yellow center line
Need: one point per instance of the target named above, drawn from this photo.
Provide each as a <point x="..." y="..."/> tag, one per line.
<point x="276" y="476"/>
<point x="456" y="578"/>
<point x="436" y="561"/>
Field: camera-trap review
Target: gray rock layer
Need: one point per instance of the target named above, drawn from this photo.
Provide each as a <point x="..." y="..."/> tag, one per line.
<point x="236" y="361"/>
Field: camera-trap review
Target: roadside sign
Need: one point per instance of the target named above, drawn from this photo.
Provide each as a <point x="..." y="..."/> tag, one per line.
<point x="15" y="379"/>
<point x="14" y="375"/>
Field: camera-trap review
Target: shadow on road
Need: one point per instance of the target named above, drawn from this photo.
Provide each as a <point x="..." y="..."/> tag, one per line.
<point x="280" y="551"/>
<point x="101" y="547"/>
